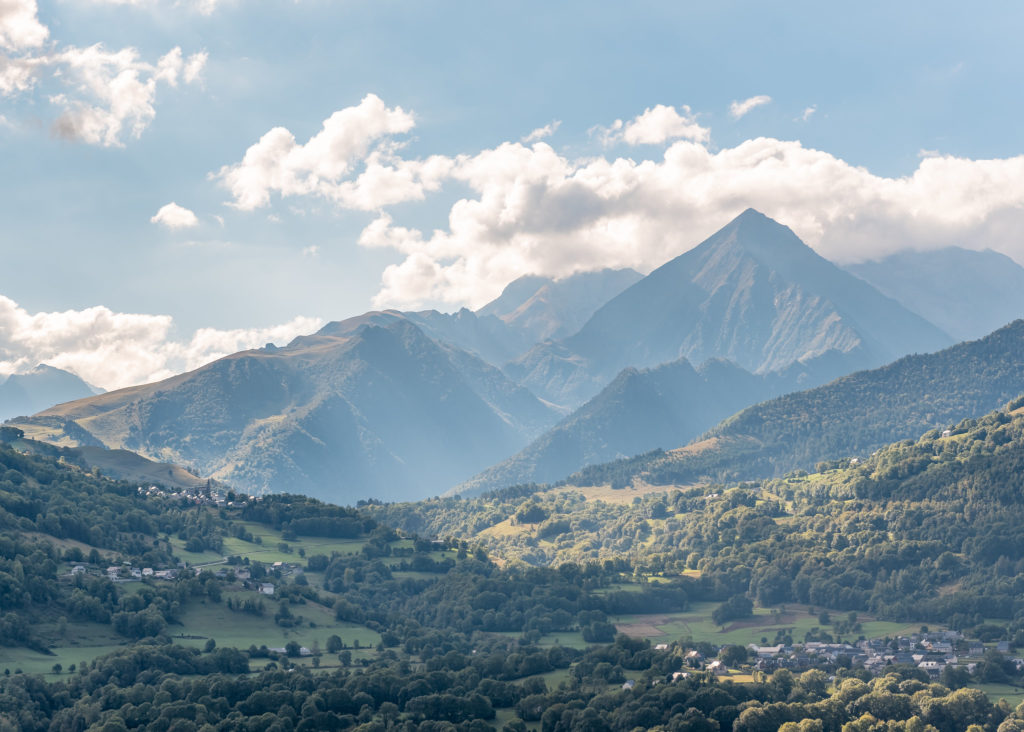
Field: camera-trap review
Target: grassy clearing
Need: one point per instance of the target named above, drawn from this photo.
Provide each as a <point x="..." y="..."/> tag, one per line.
<point x="1013" y="694"/>
<point x="241" y="630"/>
<point x="81" y="642"/>
<point x="696" y="623"/>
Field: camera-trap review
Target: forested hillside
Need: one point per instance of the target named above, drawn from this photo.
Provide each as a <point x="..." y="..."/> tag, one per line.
<point x="850" y="417"/>
<point x="931" y="529"/>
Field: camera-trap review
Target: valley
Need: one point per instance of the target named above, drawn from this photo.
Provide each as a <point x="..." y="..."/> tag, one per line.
<point x="777" y="539"/>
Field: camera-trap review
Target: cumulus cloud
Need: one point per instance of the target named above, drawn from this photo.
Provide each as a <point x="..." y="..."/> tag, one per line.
<point x="352" y="139"/>
<point x="808" y="112"/>
<point x="738" y="109"/>
<point x="543" y="132"/>
<point x="19" y="25"/>
<point x="532" y="210"/>
<point x="113" y="90"/>
<point x="656" y="125"/>
<point x="103" y="94"/>
<point x="173" y="216"/>
<point x="114" y="350"/>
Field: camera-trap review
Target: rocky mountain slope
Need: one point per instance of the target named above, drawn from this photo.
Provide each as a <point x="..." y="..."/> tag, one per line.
<point x="365" y="408"/>
<point x="754" y="294"/>
<point x="42" y="387"/>
<point x="850" y="417"/>
<point x="966" y="293"/>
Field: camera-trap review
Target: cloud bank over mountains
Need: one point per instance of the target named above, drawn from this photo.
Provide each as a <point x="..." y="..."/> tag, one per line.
<point x="534" y="210"/>
<point x="113" y="350"/>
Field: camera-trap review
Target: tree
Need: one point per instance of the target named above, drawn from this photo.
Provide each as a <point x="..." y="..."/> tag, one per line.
<point x="736" y="607"/>
<point x="334" y="644"/>
<point x="733" y="655"/>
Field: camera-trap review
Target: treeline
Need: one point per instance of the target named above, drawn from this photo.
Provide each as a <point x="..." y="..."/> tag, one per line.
<point x="164" y="687"/>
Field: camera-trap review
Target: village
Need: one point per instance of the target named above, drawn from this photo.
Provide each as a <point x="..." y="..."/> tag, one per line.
<point x="931" y="652"/>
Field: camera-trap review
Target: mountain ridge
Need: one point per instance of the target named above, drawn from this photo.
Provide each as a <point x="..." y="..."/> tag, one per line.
<point x="752" y="293"/>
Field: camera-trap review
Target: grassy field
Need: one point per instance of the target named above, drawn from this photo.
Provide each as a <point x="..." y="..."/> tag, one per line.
<point x="268" y="549"/>
<point x="201" y="620"/>
<point x="995" y="692"/>
<point x="572" y="639"/>
<point x="241" y="630"/>
<point x="696" y="623"/>
<point x="81" y="642"/>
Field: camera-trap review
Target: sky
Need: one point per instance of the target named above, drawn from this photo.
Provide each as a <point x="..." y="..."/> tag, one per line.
<point x="182" y="179"/>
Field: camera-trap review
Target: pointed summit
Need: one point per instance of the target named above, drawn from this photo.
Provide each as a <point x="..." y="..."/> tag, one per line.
<point x="752" y="293"/>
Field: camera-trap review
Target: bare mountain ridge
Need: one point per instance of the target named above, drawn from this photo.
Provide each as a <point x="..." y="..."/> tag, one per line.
<point x="43" y="386"/>
<point x="966" y="293"/>
<point x="640" y="410"/>
<point x="752" y="293"/>
<point x="358" y="410"/>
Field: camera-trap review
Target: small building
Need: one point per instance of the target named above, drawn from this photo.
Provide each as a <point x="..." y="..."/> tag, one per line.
<point x="77" y="570"/>
<point x="718" y="668"/>
<point x="628" y="685"/>
<point x="266" y="588"/>
<point x="661" y="647"/>
<point x="147" y="571"/>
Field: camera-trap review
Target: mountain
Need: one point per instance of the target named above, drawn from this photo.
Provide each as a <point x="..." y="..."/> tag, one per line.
<point x="640" y="410"/>
<point x="964" y="292"/>
<point x="369" y="407"/>
<point x="529" y="310"/>
<point x="543" y="308"/>
<point x="42" y="387"/>
<point x="752" y="293"/>
<point x="852" y="416"/>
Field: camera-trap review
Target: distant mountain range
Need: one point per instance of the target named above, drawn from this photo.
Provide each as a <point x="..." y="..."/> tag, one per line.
<point x="752" y="293"/>
<point x="364" y="408"/>
<point x="544" y="309"/>
<point x="849" y="417"/>
<point x="640" y="410"/>
<point x="966" y="293"/>
<point x="557" y="374"/>
<point x="42" y="387"/>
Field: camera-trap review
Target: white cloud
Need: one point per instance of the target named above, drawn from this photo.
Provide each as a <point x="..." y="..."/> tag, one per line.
<point x="808" y="112"/>
<point x="323" y="165"/>
<point x="738" y="109"/>
<point x="114" y="90"/>
<point x="194" y="67"/>
<point x="533" y="211"/>
<point x="173" y="216"/>
<point x="103" y="93"/>
<point x="114" y="350"/>
<point x="656" y="125"/>
<point x="543" y="132"/>
<point x="311" y="251"/>
<point x="19" y="25"/>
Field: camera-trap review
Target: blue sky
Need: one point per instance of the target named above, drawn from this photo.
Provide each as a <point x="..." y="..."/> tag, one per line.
<point x="880" y="128"/>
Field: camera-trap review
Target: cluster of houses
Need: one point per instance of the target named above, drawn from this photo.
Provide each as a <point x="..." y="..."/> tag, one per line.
<point x="127" y="573"/>
<point x="202" y="495"/>
<point x="929" y="651"/>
